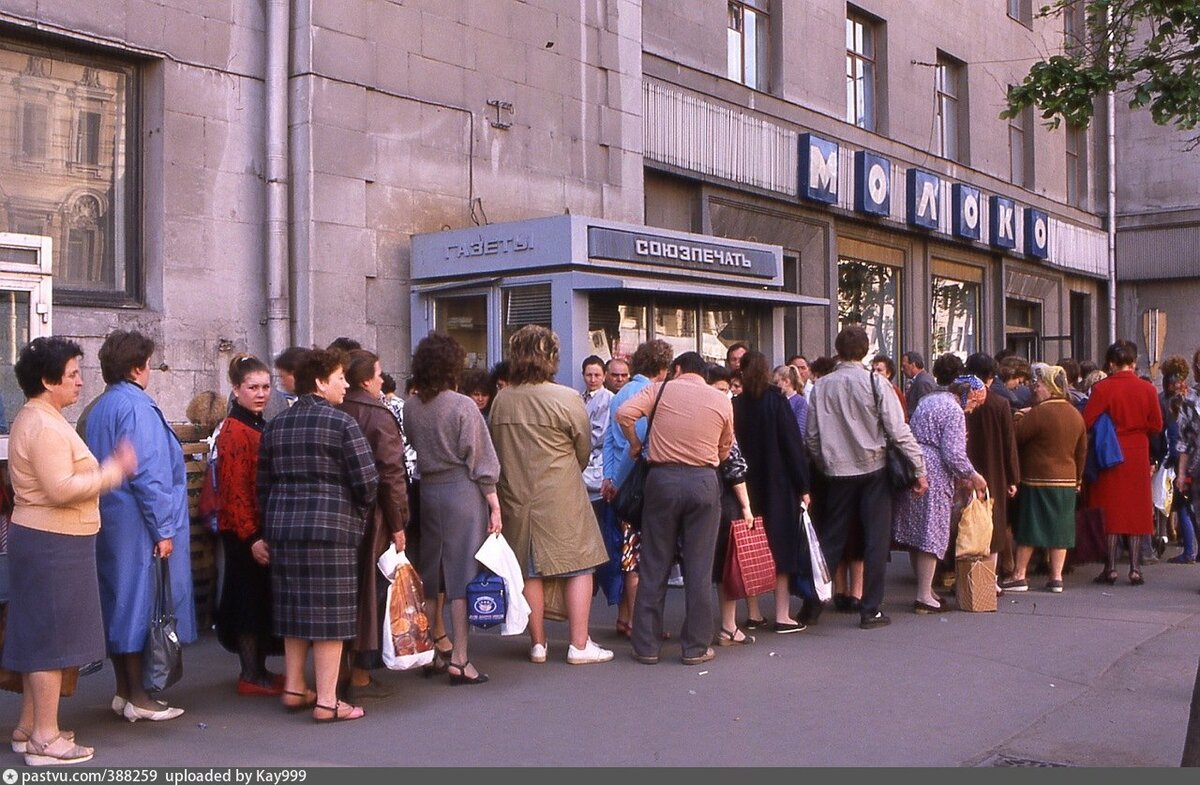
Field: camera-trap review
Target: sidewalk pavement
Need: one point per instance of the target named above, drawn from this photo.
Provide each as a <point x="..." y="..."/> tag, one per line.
<point x="1096" y="676"/>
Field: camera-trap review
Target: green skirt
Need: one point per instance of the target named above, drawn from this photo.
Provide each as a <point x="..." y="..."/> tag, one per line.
<point x="1046" y="516"/>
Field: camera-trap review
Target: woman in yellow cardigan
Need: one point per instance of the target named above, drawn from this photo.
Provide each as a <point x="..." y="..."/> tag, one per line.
<point x="54" y="600"/>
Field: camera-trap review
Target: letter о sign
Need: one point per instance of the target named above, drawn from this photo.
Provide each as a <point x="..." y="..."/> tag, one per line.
<point x="872" y="183"/>
<point x="1037" y="233"/>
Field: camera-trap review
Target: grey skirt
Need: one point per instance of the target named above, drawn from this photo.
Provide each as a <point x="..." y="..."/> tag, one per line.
<point x="54" y="618"/>
<point x="454" y="519"/>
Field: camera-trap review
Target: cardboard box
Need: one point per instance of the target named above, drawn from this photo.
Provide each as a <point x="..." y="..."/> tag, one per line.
<point x="975" y="584"/>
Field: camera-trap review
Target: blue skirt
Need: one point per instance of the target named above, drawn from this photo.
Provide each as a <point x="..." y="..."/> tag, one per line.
<point x="54" y="616"/>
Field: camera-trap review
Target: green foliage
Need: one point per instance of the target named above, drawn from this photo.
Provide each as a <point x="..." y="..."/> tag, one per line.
<point x="1148" y="51"/>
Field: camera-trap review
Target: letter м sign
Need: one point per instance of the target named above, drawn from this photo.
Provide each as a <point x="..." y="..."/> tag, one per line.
<point x="818" y="169"/>
<point x="872" y="183"/>
<point x="1037" y="233"/>
<point x="967" y="217"/>
<point x="1003" y="223"/>
<point x="924" y="199"/>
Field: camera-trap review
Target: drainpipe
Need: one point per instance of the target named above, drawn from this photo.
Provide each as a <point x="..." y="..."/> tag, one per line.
<point x="278" y="290"/>
<point x="1111" y="101"/>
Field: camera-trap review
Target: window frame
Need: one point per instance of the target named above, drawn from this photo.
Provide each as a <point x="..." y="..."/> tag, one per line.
<point x="1020" y="11"/>
<point x="1022" y="125"/>
<point x="869" y="95"/>
<point x="957" y="101"/>
<point x="898" y="276"/>
<point x="128" y="291"/>
<point x="1075" y="153"/>
<point x="760" y="9"/>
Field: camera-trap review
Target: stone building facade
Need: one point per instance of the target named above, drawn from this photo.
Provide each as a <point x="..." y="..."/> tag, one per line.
<point x="139" y="136"/>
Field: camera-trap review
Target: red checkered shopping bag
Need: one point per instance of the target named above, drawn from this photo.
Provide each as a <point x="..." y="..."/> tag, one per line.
<point x="749" y="566"/>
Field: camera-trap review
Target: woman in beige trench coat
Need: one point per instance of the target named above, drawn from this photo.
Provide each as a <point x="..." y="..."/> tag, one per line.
<point x="543" y="439"/>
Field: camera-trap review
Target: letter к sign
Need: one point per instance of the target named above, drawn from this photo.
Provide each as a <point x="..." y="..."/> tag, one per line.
<point x="924" y="199"/>
<point x="818" y="175"/>
<point x="1003" y="223"/>
<point x="872" y="183"/>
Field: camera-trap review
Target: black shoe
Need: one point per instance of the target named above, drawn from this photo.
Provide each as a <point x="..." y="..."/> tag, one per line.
<point x="810" y="611"/>
<point x="879" y="619"/>
<point x="841" y="603"/>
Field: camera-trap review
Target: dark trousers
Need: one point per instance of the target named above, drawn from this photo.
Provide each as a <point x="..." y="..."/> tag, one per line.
<point x="863" y="502"/>
<point x="683" y="508"/>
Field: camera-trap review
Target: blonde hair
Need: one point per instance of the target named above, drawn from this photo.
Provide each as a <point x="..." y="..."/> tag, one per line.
<point x="1091" y="379"/>
<point x="793" y="376"/>
<point x="533" y="355"/>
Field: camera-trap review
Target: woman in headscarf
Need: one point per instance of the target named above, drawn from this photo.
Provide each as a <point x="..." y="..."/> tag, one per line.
<point x="1052" y="445"/>
<point x="923" y="522"/>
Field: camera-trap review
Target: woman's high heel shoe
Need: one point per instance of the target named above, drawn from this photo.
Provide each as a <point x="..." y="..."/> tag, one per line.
<point x="1135" y="578"/>
<point x="1108" y="576"/>
<point x="460" y="678"/>
<point x="441" y="659"/>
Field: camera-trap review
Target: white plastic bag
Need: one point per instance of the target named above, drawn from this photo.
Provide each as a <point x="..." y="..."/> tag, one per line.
<point x="1162" y="488"/>
<point x="497" y="556"/>
<point x="405" y="639"/>
<point x="822" y="579"/>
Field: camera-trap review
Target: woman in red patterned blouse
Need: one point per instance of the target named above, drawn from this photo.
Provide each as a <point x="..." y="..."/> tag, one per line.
<point x="244" y="615"/>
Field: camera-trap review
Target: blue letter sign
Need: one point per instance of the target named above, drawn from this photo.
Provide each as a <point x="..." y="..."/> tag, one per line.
<point x="818" y="169"/>
<point x="924" y="199"/>
<point x="1037" y="233"/>
<point x="968" y="212"/>
<point x="872" y="183"/>
<point x="1003" y="224"/>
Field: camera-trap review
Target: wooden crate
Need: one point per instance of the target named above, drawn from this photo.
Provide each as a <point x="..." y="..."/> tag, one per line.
<point x="203" y="541"/>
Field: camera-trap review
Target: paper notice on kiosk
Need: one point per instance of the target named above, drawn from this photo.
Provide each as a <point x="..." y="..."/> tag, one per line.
<point x="600" y="344"/>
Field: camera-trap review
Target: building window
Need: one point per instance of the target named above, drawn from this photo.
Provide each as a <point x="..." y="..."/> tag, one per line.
<point x="1022" y="11"/>
<point x="868" y="296"/>
<point x="1076" y="165"/>
<point x="950" y="96"/>
<point x="1074" y="27"/>
<point x="747" y="43"/>
<point x="954" y="324"/>
<point x="1020" y="148"/>
<point x="77" y="121"/>
<point x="1023" y="328"/>
<point x="861" y="48"/>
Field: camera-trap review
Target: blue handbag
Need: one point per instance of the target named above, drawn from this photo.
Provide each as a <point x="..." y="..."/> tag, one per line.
<point x="1104" y="450"/>
<point x="487" y="603"/>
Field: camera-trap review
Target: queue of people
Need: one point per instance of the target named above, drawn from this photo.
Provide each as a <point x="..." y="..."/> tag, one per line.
<point x="318" y="477"/>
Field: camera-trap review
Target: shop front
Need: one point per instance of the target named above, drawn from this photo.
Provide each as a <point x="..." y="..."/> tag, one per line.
<point x="603" y="286"/>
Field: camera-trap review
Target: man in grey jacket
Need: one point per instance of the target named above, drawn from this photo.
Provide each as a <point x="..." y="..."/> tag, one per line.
<point x="846" y="438"/>
<point x="921" y="381"/>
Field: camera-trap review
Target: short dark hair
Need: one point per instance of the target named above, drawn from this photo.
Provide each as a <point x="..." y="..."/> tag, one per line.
<point x="690" y="362"/>
<point x="852" y="343"/>
<point x="316" y="364"/>
<point x="1013" y="366"/>
<point x="796" y="357"/>
<point x="500" y="372"/>
<point x="1086" y="367"/>
<point x="733" y="347"/>
<point x="360" y="367"/>
<point x="981" y="364"/>
<point x="916" y="358"/>
<point x="475" y="380"/>
<point x="242" y="365"/>
<point x="888" y="363"/>
<point x="287" y="359"/>
<point x="717" y="373"/>
<point x="1003" y="353"/>
<point x="823" y="366"/>
<point x="343" y="344"/>
<point x="756" y="374"/>
<point x="437" y="364"/>
<point x="947" y="368"/>
<point x="592" y="359"/>
<point x="1071" y="368"/>
<point x="121" y="352"/>
<point x="651" y="358"/>
<point x="389" y="384"/>
<point x="46" y="359"/>
<point x="1121" y="353"/>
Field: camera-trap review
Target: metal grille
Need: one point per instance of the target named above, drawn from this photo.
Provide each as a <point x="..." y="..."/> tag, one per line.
<point x="528" y="305"/>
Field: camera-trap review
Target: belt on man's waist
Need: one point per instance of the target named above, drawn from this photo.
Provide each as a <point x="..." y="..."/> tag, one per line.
<point x="679" y="466"/>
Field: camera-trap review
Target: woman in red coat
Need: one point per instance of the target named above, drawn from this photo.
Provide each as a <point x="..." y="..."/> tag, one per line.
<point x="1123" y="491"/>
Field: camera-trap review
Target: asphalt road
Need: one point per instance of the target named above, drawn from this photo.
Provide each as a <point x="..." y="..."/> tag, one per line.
<point x="1096" y="676"/>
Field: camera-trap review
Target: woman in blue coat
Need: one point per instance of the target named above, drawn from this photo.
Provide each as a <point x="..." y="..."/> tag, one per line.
<point x="143" y="520"/>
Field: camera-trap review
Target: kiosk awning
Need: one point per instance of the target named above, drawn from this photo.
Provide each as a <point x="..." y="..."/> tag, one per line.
<point x="595" y="281"/>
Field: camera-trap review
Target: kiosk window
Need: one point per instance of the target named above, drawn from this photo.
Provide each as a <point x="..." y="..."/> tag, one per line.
<point x="14" y="334"/>
<point x="465" y="320"/>
<point x="867" y="295"/>
<point x="615" y="325"/>
<point x="675" y="323"/>
<point x="954" y="325"/>
<point x="522" y="305"/>
<point x="720" y="328"/>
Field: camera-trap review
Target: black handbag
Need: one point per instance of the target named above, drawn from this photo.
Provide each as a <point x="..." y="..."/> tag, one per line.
<point x="630" y="498"/>
<point x="901" y="472"/>
<point x="162" y="657"/>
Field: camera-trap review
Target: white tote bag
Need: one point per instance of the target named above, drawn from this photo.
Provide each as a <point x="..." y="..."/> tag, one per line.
<point x="822" y="579"/>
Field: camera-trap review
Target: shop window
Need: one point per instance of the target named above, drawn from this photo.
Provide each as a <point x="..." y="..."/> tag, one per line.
<point x="868" y="295"/>
<point x="83" y="177"/>
<point x="954" y="325"/>
<point x="675" y="323"/>
<point x="791" y="313"/>
<point x="465" y="320"/>
<point x="616" y="325"/>
<point x="746" y="43"/>
<point x="861" y="48"/>
<point x="1023" y="328"/>
<point x="950" y="98"/>
<point x="14" y="334"/>
<point x="1081" y="325"/>
<point x="721" y="327"/>
<point x="522" y="305"/>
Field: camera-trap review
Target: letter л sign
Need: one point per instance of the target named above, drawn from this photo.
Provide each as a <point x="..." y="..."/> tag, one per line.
<point x="818" y="169"/>
<point x="967" y="213"/>
<point x="1037" y="233"/>
<point x="924" y="199"/>
<point x="1003" y="223"/>
<point x="872" y="183"/>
